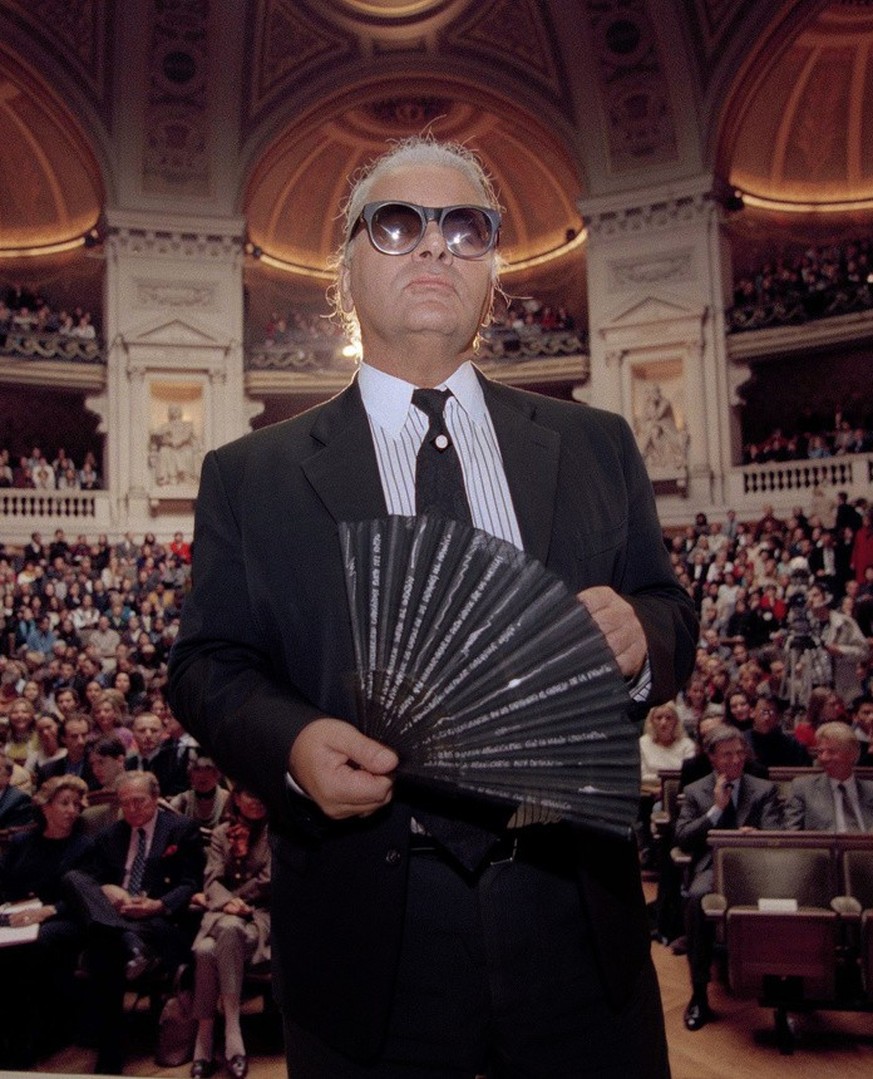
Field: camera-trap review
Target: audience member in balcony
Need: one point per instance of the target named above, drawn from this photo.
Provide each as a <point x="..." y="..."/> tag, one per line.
<point x="835" y="800"/>
<point x="89" y="477"/>
<point x="6" y="477"/>
<point x="84" y="328"/>
<point x="68" y="480"/>
<point x="235" y="931"/>
<point x="22" y="477"/>
<point x="727" y="798"/>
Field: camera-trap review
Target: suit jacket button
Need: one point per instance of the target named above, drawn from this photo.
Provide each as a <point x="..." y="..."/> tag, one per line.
<point x="393" y="856"/>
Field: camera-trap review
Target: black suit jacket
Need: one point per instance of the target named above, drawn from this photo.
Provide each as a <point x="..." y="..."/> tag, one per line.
<point x="59" y="768"/>
<point x="174" y="866"/>
<point x="265" y="647"/>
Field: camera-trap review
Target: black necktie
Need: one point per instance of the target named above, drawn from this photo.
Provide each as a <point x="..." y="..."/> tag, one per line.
<point x="439" y="481"/>
<point x="137" y="866"/>
<point x="465" y="827"/>
<point x="728" y="817"/>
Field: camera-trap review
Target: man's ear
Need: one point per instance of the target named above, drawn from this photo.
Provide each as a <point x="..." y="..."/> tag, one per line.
<point x="347" y="304"/>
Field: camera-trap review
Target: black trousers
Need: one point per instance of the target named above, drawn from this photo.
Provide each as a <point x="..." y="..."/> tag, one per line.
<point x="498" y="979"/>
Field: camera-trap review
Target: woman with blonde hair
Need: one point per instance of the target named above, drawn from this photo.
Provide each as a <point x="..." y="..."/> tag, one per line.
<point x="664" y="744"/>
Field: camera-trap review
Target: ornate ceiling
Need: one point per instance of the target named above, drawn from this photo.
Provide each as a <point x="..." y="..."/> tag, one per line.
<point x="264" y="108"/>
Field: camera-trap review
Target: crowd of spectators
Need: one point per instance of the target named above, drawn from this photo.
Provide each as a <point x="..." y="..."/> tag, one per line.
<point x="299" y="327"/>
<point x="86" y="631"/>
<point x="33" y="470"/>
<point x="24" y="311"/>
<point x="807" y="283"/>
<point x="786" y="612"/>
<point x="815" y="440"/>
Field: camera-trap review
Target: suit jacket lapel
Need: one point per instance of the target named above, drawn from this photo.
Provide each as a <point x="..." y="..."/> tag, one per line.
<point x="530" y="459"/>
<point x="344" y="472"/>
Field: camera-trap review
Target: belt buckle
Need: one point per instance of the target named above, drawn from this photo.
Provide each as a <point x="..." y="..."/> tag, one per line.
<point x="509" y="857"/>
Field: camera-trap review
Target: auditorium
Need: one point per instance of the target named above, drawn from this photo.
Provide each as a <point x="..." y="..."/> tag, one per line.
<point x="681" y="236"/>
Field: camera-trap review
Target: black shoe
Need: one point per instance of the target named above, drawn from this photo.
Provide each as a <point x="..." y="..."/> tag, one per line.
<point x="202" y="1069"/>
<point x="140" y="962"/>
<point x="238" y="1066"/>
<point x="698" y="1013"/>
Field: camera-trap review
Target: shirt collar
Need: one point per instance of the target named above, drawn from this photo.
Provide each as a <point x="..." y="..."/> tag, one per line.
<point x="387" y="398"/>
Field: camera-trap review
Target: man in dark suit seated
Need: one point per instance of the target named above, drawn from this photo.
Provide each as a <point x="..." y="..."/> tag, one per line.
<point x="836" y="800"/>
<point x="75" y="737"/>
<point x="726" y="798"/>
<point x="164" y="759"/>
<point x="132" y="896"/>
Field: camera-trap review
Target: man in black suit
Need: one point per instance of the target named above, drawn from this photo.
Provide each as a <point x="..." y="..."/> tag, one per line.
<point x="132" y="896"/>
<point x="384" y="967"/>
<point x="165" y="759"/>
<point x="727" y="798"/>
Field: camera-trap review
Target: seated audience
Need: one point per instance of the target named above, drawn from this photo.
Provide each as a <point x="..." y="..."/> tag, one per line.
<point x="727" y="798"/>
<point x="132" y="897"/>
<point x="836" y="800"/>
<point x="235" y="931"/>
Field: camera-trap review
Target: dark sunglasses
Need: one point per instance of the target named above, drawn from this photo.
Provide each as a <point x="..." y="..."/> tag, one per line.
<point x="396" y="228"/>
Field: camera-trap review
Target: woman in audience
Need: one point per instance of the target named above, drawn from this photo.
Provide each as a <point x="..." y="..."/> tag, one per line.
<point x="824" y="706"/>
<point x="691" y="703"/>
<point x="21" y="741"/>
<point x="41" y="971"/>
<point x="109" y="714"/>
<point x="235" y="930"/>
<point x="663" y="745"/>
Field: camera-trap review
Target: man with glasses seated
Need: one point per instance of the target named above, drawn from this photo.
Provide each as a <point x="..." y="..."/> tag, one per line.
<point x="768" y="743"/>
<point x="415" y="934"/>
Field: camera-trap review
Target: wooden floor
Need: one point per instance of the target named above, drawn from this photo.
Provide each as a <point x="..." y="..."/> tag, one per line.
<point x="739" y="1045"/>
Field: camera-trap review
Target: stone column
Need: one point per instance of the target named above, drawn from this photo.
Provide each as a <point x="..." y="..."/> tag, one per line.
<point x="659" y="277"/>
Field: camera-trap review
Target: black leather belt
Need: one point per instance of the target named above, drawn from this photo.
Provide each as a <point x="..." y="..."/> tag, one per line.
<point x="549" y="846"/>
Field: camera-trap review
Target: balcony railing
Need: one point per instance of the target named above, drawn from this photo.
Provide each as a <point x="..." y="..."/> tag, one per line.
<point x="34" y="345"/>
<point x="501" y="344"/>
<point x="796" y="309"/>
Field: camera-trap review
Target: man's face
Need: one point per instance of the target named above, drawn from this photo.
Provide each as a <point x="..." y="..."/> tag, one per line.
<point x="766" y="717"/>
<point x="728" y="759"/>
<point x="106" y="769"/>
<point x="836" y="758"/>
<point x="148" y="731"/>
<point x="136" y="803"/>
<point x="428" y="294"/>
<point x="75" y="738"/>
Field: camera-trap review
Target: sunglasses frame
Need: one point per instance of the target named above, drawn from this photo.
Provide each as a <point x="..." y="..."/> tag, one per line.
<point x="426" y="214"/>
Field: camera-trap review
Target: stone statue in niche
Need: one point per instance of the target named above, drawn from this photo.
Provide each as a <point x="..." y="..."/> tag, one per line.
<point x="662" y="443"/>
<point x="174" y="456"/>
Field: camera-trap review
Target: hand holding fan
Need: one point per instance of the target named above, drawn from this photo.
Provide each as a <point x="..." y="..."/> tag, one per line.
<point x="485" y="674"/>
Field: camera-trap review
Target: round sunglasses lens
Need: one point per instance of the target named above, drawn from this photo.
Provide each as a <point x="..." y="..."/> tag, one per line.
<point x="395" y="228"/>
<point x="467" y="231"/>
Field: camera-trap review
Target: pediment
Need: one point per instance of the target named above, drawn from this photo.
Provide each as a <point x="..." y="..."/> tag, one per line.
<point x="175" y="331"/>
<point x="649" y="310"/>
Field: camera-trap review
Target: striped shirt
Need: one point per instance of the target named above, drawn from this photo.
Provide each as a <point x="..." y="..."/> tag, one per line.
<point x="398" y="430"/>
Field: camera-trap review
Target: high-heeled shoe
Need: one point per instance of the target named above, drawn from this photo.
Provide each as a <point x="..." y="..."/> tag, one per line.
<point x="202" y="1069"/>
<point x="238" y="1066"/>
